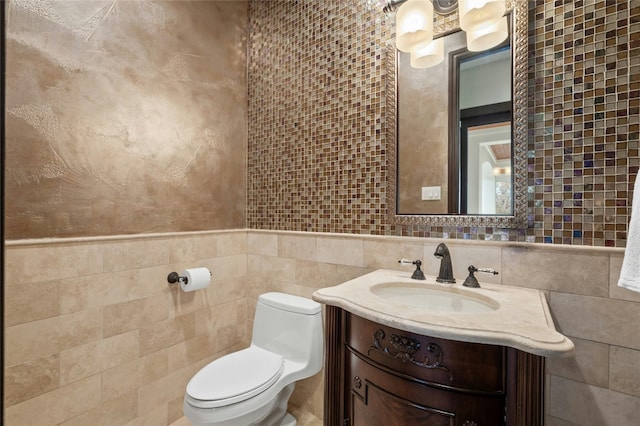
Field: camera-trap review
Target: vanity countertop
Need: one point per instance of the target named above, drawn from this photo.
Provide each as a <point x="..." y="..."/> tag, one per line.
<point x="520" y="318"/>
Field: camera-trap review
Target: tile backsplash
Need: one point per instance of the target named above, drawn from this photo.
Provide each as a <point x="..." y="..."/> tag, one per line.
<point x="317" y="121"/>
<point x="584" y="88"/>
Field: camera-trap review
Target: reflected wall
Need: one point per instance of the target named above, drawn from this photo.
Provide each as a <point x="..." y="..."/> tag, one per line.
<point x="125" y="117"/>
<point x="423" y="127"/>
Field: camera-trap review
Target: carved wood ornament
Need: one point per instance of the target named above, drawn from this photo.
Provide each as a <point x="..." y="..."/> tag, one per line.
<point x="404" y="348"/>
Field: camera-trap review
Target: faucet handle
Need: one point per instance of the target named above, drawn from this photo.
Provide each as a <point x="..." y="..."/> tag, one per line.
<point x="471" y="280"/>
<point x="487" y="270"/>
<point x="417" y="274"/>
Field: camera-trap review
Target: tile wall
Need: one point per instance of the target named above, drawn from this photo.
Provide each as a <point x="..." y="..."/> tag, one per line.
<point x="584" y="85"/>
<point x="317" y="121"/>
<point x="94" y="334"/>
<point x="317" y="164"/>
<point x="93" y="322"/>
<point x="600" y="386"/>
<point x="316" y="108"/>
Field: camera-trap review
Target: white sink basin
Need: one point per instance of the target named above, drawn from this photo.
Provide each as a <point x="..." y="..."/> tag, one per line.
<point x="425" y="296"/>
<point x="494" y="314"/>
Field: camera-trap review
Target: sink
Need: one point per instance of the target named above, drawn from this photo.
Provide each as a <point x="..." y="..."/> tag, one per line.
<point x="424" y="296"/>
<point x="495" y="314"/>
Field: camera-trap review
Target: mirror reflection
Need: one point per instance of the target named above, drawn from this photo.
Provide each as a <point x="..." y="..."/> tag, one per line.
<point x="464" y="183"/>
<point x="482" y="109"/>
<point x="454" y="124"/>
<point x="486" y="169"/>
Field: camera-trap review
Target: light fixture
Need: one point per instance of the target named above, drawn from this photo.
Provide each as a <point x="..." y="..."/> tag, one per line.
<point x="485" y="37"/>
<point x="476" y="14"/>
<point x="425" y="55"/>
<point x="414" y="24"/>
<point x="482" y="20"/>
<point x="502" y="171"/>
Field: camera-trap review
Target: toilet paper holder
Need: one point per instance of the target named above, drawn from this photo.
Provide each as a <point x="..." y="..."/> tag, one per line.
<point x="175" y="277"/>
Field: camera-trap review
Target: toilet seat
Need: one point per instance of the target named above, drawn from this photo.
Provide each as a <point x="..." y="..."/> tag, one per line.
<point x="234" y="378"/>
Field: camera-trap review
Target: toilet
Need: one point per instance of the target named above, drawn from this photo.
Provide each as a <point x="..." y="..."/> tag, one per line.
<point x="253" y="386"/>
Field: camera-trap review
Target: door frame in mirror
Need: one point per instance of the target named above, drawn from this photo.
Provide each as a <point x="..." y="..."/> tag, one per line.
<point x="519" y="21"/>
<point x="461" y="203"/>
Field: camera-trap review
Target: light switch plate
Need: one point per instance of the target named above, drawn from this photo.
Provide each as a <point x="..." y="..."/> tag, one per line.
<point x="431" y="193"/>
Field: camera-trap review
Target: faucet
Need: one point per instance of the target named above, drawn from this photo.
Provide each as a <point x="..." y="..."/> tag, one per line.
<point x="446" y="267"/>
<point x="417" y="274"/>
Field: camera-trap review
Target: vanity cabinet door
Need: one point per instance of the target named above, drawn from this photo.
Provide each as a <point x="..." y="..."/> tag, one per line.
<point x="378" y="398"/>
<point x="383" y="408"/>
<point x="378" y="375"/>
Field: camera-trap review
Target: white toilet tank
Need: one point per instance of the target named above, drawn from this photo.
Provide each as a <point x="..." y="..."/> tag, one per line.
<point x="290" y="326"/>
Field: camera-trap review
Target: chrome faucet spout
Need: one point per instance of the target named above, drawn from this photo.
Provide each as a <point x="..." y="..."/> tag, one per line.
<point x="446" y="267"/>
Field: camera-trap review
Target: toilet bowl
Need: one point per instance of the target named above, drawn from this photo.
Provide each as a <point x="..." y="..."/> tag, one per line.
<point x="253" y="386"/>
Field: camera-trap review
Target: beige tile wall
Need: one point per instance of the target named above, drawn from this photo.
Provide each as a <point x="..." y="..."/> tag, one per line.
<point x="94" y="335"/>
<point x="599" y="386"/>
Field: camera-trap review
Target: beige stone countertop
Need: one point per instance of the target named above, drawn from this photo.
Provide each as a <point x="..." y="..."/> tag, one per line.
<point x="520" y="317"/>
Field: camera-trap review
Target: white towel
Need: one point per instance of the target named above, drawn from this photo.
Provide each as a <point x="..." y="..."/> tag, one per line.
<point x="630" y="274"/>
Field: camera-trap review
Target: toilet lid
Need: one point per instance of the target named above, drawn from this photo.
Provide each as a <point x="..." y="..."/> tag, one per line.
<point x="235" y="377"/>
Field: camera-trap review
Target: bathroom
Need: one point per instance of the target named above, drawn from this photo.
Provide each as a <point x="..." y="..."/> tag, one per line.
<point x="249" y="138"/>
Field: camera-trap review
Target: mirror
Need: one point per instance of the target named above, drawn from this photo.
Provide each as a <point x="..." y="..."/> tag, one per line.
<point x="456" y="146"/>
<point x="480" y="141"/>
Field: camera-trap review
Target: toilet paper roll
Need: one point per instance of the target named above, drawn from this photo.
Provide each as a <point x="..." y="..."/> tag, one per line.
<point x="196" y="279"/>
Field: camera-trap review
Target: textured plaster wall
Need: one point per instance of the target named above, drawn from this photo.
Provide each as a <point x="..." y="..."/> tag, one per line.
<point x="125" y="117"/>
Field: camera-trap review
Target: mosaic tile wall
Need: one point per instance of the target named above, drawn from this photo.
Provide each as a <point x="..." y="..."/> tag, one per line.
<point x="316" y="117"/>
<point x="585" y="80"/>
<point x="317" y="121"/>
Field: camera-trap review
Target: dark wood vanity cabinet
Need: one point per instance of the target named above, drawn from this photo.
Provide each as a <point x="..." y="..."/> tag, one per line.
<point x="380" y="375"/>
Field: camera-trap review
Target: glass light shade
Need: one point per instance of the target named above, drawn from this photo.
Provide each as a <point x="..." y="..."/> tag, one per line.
<point x="425" y="55"/>
<point x="485" y="37"/>
<point x="477" y="13"/>
<point x="414" y="24"/>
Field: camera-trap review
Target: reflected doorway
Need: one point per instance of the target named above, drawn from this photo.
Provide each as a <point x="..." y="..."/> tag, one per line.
<point x="485" y="161"/>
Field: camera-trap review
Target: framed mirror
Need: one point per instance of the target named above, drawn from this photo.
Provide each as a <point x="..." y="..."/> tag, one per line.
<point x="456" y="145"/>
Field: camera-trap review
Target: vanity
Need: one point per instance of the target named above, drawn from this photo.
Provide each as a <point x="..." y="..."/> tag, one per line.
<point x="405" y="352"/>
